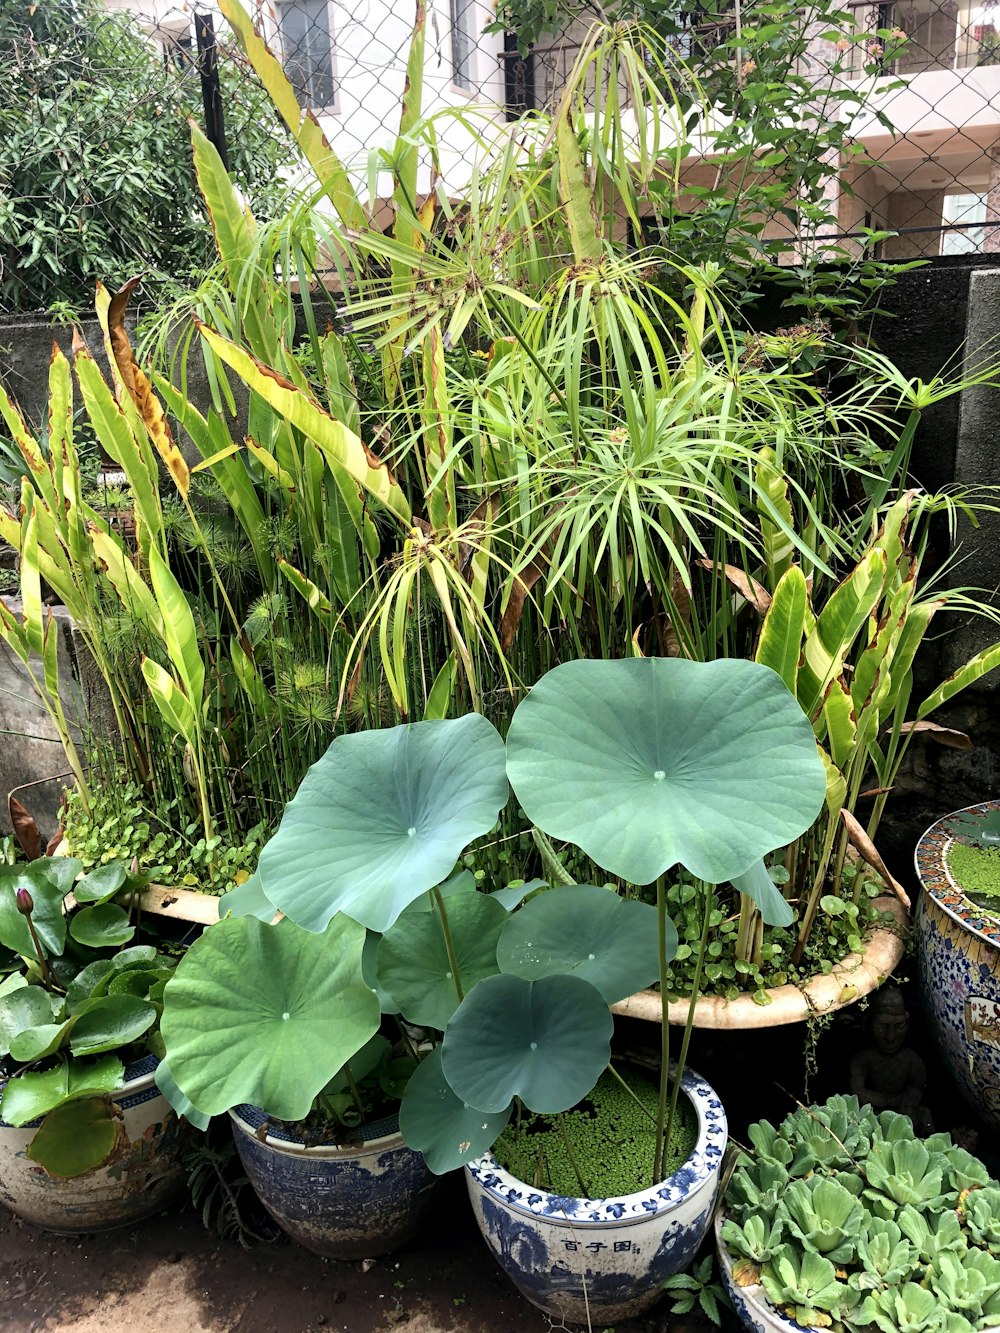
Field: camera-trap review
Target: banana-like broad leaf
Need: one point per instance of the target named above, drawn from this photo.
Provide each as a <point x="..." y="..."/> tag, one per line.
<point x="837" y="627"/>
<point x="545" y="1041"/>
<point x="266" y="1014"/>
<point x="646" y="763"/>
<point x="780" y="645"/>
<point x="440" y="1125"/>
<point x="342" y="449"/>
<point x="180" y="633"/>
<point x="974" y="669"/>
<point x="383" y="817"/>
<point x="588" y="932"/>
<point x="174" y="705"/>
<point x="413" y="962"/>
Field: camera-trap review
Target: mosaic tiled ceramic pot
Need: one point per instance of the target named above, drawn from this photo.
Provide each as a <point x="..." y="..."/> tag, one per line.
<point x="141" y="1179"/>
<point x="960" y="973"/>
<point x="599" y="1260"/>
<point x="347" y="1203"/>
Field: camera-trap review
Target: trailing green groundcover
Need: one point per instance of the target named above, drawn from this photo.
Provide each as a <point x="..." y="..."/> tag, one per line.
<point x="612" y="1139"/>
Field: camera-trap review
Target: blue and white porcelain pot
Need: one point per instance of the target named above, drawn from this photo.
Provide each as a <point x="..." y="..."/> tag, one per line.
<point x="351" y="1202"/>
<point x="142" y="1177"/>
<point x="960" y="972"/>
<point x="599" y="1260"/>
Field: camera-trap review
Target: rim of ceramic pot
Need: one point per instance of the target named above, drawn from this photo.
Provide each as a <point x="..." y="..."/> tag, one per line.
<point x="755" y="1297"/>
<point x="932" y="870"/>
<point x="138" y="1079"/>
<point x="375" y="1137"/>
<point x="624" y="1209"/>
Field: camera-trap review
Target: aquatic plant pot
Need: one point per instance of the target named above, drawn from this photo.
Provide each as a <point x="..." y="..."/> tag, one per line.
<point x="144" y="1175"/>
<point x="959" y="970"/>
<point x="856" y="976"/>
<point x="600" y="1260"/>
<point x="353" y="1202"/>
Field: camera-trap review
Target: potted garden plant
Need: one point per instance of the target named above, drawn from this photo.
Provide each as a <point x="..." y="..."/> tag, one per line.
<point x="958" y="929"/>
<point x="843" y="1218"/>
<point x="86" y="1140"/>
<point x="646" y="763"/>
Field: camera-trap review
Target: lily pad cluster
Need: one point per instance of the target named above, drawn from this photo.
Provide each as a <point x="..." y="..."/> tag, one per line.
<point x="76" y="998"/>
<point x="643" y="764"/>
<point x="850" y="1222"/>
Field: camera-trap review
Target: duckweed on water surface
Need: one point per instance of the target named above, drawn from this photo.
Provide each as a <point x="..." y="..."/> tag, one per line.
<point x="976" y="870"/>
<point x="611" y="1138"/>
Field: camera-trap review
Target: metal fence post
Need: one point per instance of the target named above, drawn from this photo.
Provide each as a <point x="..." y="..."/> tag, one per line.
<point x="211" y="88"/>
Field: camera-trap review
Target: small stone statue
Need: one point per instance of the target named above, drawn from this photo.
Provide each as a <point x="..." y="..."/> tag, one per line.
<point x="888" y="1074"/>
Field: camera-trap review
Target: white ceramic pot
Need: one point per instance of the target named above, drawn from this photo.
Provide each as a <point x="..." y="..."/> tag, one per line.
<point x="143" y="1176"/>
<point x="595" y="1261"/>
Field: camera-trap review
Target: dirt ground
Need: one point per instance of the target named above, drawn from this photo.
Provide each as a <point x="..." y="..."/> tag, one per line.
<point x="168" y="1275"/>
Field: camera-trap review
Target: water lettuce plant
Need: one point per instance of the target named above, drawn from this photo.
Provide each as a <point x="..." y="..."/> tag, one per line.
<point x="77" y="1000"/>
<point x="643" y="763"/>
<point x="878" y="1231"/>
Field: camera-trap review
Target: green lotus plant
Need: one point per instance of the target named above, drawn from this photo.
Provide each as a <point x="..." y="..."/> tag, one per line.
<point x="815" y="1234"/>
<point x="76" y="1000"/>
<point x="644" y="763"/>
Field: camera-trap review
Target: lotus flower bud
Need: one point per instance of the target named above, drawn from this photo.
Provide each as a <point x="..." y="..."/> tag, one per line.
<point x="25" y="902"/>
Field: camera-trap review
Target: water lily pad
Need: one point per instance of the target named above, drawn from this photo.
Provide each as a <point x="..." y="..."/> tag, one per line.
<point x="33" y="1094"/>
<point x="109" y="1022"/>
<point x="47" y="916"/>
<point x="100" y="884"/>
<point x="76" y="1138"/>
<point x="383" y="817"/>
<point x="23" y="1008"/>
<point x="585" y="931"/>
<point x="103" y="927"/>
<point x="647" y="763"/>
<point x="545" y="1041"/>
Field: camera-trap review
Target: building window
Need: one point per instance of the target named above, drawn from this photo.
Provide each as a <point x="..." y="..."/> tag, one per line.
<point x="969" y="210"/>
<point x="307" y="48"/>
<point x="464" y="39"/>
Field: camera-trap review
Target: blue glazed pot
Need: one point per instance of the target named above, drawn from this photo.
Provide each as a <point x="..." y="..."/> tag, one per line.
<point x="599" y="1260"/>
<point x="352" y="1202"/>
<point x="959" y="966"/>
<point x="143" y="1175"/>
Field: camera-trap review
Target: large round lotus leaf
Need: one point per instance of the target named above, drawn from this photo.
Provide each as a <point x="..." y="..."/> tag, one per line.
<point x="546" y="1041"/>
<point x="581" y="930"/>
<point x="382" y="818"/>
<point x="445" y="1129"/>
<point x="413" y="963"/>
<point x="266" y="1014"/>
<point x="645" y="763"/>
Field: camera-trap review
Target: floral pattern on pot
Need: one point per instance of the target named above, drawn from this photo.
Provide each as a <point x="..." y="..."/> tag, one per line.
<point x="352" y="1202"/>
<point x="136" y="1183"/>
<point x="959" y="967"/>
<point x="602" y="1259"/>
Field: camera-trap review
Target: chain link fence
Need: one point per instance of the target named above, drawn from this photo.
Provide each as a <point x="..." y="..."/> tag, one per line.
<point x="95" y="177"/>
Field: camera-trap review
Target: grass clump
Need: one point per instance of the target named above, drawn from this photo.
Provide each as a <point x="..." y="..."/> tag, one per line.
<point x="611" y="1137"/>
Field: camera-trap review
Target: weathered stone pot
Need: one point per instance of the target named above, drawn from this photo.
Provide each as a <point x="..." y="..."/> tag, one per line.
<point x="595" y="1261"/>
<point x="143" y="1177"/>
<point x="959" y="948"/>
<point x="352" y="1202"/>
<point x="846" y="983"/>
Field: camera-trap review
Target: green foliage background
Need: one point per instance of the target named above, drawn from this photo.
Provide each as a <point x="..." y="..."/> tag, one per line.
<point x="96" y="177"/>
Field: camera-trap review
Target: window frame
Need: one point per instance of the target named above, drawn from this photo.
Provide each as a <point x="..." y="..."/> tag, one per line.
<point x="331" y="107"/>
<point x="467" y="8"/>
